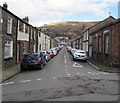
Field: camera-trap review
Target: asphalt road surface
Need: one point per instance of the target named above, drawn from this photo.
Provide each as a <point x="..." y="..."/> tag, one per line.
<point x="62" y="79"/>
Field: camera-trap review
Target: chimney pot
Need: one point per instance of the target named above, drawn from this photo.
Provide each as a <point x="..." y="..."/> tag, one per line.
<point x="26" y="19"/>
<point x="5" y="6"/>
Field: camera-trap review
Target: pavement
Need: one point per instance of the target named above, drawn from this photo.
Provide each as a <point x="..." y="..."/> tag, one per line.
<point x="10" y="72"/>
<point x="102" y="67"/>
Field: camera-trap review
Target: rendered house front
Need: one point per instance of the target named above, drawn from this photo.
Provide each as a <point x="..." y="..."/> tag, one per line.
<point x="22" y="39"/>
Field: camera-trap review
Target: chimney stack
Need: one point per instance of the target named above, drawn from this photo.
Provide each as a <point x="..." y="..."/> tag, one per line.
<point x="26" y="19"/>
<point x="5" y="6"/>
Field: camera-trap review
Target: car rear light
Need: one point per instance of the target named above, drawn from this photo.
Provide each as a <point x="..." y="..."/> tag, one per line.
<point x="21" y="61"/>
<point x="38" y="60"/>
<point x="45" y="55"/>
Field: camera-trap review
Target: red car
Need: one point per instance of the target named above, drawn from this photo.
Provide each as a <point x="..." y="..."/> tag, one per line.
<point x="68" y="48"/>
<point x="51" y="53"/>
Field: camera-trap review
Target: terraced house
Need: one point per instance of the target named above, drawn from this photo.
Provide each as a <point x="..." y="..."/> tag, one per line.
<point x="18" y="37"/>
<point x="22" y="38"/>
<point x="9" y="37"/>
<point x="104" y="42"/>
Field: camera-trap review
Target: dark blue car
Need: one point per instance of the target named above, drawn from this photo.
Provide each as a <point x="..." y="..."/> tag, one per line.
<point x="33" y="61"/>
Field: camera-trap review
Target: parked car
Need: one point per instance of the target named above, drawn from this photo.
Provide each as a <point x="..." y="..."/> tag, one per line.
<point x="73" y="51"/>
<point x="47" y="55"/>
<point x="80" y="55"/>
<point x="51" y="53"/>
<point x="54" y="51"/>
<point x="58" y="49"/>
<point x="33" y="61"/>
<point x="61" y="46"/>
<point x="69" y="48"/>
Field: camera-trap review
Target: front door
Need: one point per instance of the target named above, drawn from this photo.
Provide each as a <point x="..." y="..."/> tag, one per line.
<point x="90" y="51"/>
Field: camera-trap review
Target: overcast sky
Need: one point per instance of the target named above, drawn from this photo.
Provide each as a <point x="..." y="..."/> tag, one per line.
<point x="42" y="12"/>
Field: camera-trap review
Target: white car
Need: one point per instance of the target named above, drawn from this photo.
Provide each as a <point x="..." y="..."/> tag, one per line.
<point x="80" y="55"/>
<point x="54" y="51"/>
<point x="73" y="51"/>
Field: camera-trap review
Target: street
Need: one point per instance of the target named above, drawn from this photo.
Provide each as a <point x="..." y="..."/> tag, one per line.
<point x="62" y="79"/>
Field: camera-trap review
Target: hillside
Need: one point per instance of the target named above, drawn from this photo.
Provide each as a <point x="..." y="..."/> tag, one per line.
<point x="68" y="28"/>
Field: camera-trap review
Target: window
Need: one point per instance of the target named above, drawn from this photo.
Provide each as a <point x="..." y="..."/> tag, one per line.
<point x="31" y="33"/>
<point x="34" y="35"/>
<point x="8" y="52"/>
<point x="100" y="44"/>
<point x="9" y="25"/>
<point x="94" y="44"/>
<point x="90" y="39"/>
<point x="106" y="44"/>
<point x="21" y="26"/>
<point x="40" y="47"/>
<point x="26" y="29"/>
<point x="39" y="34"/>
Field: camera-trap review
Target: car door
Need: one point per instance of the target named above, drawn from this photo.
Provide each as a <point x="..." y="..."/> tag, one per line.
<point x="42" y="57"/>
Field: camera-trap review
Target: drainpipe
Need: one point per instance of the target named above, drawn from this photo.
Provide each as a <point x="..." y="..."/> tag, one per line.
<point x="1" y="21"/>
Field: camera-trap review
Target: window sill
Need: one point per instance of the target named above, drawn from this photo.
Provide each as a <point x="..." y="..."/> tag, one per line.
<point x="8" y="58"/>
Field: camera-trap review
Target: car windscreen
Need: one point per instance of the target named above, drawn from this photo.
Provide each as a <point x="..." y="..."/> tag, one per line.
<point x="33" y="57"/>
<point x="82" y="52"/>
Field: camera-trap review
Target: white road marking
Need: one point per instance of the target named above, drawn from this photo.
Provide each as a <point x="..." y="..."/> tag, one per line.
<point x="95" y="73"/>
<point x="89" y="72"/>
<point x="25" y="81"/>
<point x="7" y="83"/>
<point x="39" y="79"/>
<point x="104" y="73"/>
<point x="64" y="56"/>
<point x="82" y="74"/>
<point x="53" y="78"/>
<point x="77" y="73"/>
<point x="68" y="75"/>
<point x="77" y="65"/>
<point x="65" y="61"/>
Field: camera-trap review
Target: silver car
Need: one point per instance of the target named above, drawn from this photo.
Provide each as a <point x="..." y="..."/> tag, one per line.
<point x="80" y="55"/>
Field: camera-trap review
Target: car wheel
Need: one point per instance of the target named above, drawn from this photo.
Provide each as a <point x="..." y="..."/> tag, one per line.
<point x="22" y="68"/>
<point x="73" y="58"/>
<point x="45" y="62"/>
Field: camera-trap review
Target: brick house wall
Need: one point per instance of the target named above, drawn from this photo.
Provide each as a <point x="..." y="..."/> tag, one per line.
<point x="12" y="37"/>
<point x="110" y="56"/>
<point x="115" y="44"/>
